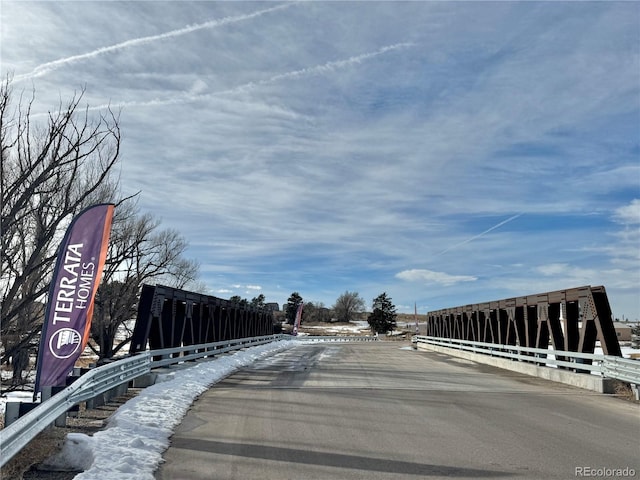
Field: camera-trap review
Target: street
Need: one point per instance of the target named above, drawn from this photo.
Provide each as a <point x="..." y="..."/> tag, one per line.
<point x="379" y="411"/>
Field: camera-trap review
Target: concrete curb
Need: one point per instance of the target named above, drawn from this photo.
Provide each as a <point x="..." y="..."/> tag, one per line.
<point x="581" y="380"/>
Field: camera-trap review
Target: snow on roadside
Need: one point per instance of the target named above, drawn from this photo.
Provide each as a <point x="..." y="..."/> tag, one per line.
<point x="138" y="433"/>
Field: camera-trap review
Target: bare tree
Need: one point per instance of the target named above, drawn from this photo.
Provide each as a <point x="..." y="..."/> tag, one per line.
<point x="315" y="312"/>
<point x="49" y="172"/>
<point x="139" y="253"/>
<point x="348" y="306"/>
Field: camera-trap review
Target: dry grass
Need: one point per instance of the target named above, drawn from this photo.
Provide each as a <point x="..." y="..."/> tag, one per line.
<point x="49" y="442"/>
<point x="623" y="390"/>
<point x="39" y="449"/>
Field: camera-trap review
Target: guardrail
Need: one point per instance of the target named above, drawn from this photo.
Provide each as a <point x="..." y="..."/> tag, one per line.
<point x="14" y="437"/>
<point x="107" y="377"/>
<point x="608" y="366"/>
<point x="623" y="369"/>
<point x="346" y="338"/>
<point x="171" y="356"/>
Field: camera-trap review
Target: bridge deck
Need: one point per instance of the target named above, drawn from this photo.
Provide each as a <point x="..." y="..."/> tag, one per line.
<point x="376" y="411"/>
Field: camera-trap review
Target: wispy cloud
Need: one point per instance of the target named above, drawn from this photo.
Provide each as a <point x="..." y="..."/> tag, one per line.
<point x="325" y="68"/>
<point x="431" y="277"/>
<point x="628" y="214"/>
<point x="356" y="138"/>
<point x="48" y="67"/>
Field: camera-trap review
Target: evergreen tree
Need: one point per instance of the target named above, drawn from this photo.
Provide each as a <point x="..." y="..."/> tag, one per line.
<point x="258" y="302"/>
<point x="383" y="317"/>
<point x="239" y="301"/>
<point x="292" y="307"/>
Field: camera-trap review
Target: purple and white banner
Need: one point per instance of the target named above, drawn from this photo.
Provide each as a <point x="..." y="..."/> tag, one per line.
<point x="296" y="324"/>
<point x="76" y="278"/>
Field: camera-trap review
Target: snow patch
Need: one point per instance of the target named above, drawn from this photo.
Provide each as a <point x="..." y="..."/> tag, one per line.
<point x="138" y="433"/>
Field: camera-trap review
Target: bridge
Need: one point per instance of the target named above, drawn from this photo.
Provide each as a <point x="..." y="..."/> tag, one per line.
<point x="348" y="408"/>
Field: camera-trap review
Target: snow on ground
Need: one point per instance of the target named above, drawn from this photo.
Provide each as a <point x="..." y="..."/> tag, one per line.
<point x="138" y="433"/>
<point x="357" y="328"/>
<point x="15" y="396"/>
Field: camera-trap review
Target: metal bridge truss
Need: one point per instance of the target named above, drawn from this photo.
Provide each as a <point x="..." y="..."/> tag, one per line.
<point x="169" y="318"/>
<point x="572" y="320"/>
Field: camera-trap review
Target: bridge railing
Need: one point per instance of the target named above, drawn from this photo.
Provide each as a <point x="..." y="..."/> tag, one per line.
<point x="346" y="338"/>
<point x="106" y="378"/>
<point x="623" y="369"/>
<point x="110" y="377"/>
<point x="171" y="356"/>
<point x="97" y="381"/>
<point x="608" y="366"/>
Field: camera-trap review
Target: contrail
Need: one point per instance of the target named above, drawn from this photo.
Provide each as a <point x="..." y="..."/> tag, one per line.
<point x="45" y="68"/>
<point x="317" y="69"/>
<point x="330" y="66"/>
<point x="481" y="234"/>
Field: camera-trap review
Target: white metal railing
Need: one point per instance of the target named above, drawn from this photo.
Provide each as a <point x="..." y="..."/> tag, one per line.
<point x="171" y="356"/>
<point x="346" y="338"/>
<point x="623" y="369"/>
<point x="107" y="377"/>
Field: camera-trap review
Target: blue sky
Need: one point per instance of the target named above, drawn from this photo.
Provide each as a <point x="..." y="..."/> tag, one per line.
<point x="443" y="152"/>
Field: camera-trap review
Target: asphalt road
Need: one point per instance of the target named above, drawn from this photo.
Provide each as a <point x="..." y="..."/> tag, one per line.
<point x="377" y="411"/>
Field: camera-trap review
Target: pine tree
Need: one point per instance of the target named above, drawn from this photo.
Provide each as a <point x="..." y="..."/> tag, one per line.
<point x="383" y="317"/>
<point x="258" y="302"/>
<point x="238" y="300"/>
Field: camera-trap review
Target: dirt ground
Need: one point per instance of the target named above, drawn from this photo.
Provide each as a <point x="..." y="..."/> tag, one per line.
<point x="26" y="464"/>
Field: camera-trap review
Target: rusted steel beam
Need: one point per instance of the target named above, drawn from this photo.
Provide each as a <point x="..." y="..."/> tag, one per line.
<point x="571" y="320"/>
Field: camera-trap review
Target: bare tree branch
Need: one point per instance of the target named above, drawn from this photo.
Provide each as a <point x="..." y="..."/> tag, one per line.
<point x="49" y="173"/>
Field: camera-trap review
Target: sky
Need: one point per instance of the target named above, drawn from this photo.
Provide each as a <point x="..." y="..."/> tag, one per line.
<point x="446" y="153"/>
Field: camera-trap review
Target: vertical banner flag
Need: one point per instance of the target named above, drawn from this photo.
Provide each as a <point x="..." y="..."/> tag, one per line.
<point x="296" y="324"/>
<point x="415" y="317"/>
<point x="76" y="278"/>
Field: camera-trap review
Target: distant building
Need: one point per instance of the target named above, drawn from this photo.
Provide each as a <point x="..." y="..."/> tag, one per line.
<point x="272" y="307"/>
<point x="623" y="330"/>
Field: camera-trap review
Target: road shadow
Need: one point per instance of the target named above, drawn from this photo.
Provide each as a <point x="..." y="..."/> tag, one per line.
<point x="338" y="460"/>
